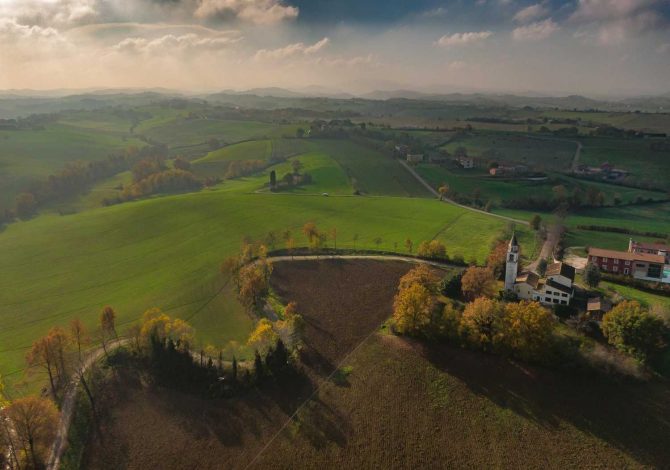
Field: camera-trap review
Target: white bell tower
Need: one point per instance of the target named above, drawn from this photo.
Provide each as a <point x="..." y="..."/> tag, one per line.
<point x="512" y="264"/>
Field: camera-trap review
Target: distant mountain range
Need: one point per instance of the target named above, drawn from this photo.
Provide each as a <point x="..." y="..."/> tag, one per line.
<point x="14" y="103"/>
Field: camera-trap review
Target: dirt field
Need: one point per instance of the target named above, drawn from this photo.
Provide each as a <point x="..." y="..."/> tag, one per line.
<point x="342" y="302"/>
<point x="396" y="404"/>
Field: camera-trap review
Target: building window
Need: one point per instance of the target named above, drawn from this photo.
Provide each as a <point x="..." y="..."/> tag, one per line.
<point x="564" y="295"/>
<point x="616" y="261"/>
<point x="616" y="268"/>
<point x="555" y="301"/>
<point x="547" y="299"/>
<point x="564" y="302"/>
<point x="626" y="270"/>
<point x="627" y="262"/>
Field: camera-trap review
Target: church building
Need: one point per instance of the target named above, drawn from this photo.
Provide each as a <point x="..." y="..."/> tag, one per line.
<point x="556" y="287"/>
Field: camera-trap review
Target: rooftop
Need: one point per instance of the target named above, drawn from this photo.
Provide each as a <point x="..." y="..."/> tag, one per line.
<point x="625" y="255"/>
<point x="561" y="269"/>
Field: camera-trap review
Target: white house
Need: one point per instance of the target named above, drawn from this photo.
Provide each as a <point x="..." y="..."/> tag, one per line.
<point x="556" y="287"/>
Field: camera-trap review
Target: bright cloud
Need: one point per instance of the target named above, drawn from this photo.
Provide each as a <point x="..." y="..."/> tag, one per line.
<point x="171" y="43"/>
<point x="460" y="39"/>
<point x="535" y="31"/>
<point x="531" y="13"/>
<point x="291" y="50"/>
<point x="254" y="11"/>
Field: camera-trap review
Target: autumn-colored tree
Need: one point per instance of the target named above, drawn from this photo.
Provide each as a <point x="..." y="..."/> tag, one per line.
<point x="34" y="422"/>
<point x="158" y="325"/>
<point x="292" y="328"/>
<point x="432" y="249"/>
<point x="409" y="245"/>
<point x="448" y="322"/>
<point x="633" y="330"/>
<point x="527" y="329"/>
<point x="412" y="309"/>
<point x="49" y="352"/>
<point x="497" y="259"/>
<point x="290" y="246"/>
<point x="78" y="334"/>
<point x="423" y="275"/>
<point x="254" y="283"/>
<point x="25" y="205"/>
<point x="311" y="233"/>
<point x="107" y="325"/>
<point x="181" y="163"/>
<point x="482" y="322"/>
<point x="478" y="282"/>
<point x="263" y="337"/>
<point x="443" y="190"/>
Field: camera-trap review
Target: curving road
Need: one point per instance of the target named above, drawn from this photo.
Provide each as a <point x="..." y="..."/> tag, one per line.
<point x="451" y="201"/>
<point x="70" y="397"/>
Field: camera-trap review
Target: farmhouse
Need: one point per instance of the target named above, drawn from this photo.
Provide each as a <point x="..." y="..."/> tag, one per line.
<point x="651" y="248"/>
<point x="596" y="307"/>
<point x="415" y="158"/>
<point x="643" y="266"/>
<point x="466" y="162"/>
<point x="554" y="288"/>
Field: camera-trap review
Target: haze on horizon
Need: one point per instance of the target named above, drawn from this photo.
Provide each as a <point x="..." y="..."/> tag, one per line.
<point x="598" y="47"/>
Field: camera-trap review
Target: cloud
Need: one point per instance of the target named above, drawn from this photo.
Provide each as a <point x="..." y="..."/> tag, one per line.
<point x="535" y="31"/>
<point x="531" y="13"/>
<point x="171" y="43"/>
<point x="599" y="10"/>
<point x="253" y="11"/>
<point x="52" y="13"/>
<point x="299" y="48"/>
<point x="614" y="21"/>
<point x="357" y="61"/>
<point x="460" y="39"/>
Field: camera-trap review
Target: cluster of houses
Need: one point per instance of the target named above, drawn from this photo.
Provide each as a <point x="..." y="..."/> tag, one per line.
<point x="643" y="261"/>
<point x="554" y="288"/>
<point x="606" y="171"/>
<point x="440" y="158"/>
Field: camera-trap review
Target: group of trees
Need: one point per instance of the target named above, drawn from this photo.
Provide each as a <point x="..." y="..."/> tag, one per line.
<point x="250" y="270"/>
<point x="636" y="331"/>
<point x="523" y="329"/>
<point x="29" y="424"/>
<point x="75" y="178"/>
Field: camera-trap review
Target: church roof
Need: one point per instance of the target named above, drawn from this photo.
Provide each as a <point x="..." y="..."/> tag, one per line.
<point x="561" y="269"/>
<point x="529" y="278"/>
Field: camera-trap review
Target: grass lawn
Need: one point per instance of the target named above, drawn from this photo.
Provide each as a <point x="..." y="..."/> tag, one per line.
<point x="372" y="172"/>
<point x="645" y="298"/>
<point x="647" y="167"/>
<point x="509" y="148"/>
<point x="166" y="252"/>
<point x="28" y="155"/>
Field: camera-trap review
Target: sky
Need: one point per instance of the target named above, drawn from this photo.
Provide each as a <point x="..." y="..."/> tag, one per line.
<point x="589" y="47"/>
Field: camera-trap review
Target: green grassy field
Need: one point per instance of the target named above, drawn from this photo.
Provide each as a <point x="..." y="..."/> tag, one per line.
<point x="370" y="171"/>
<point x="646" y="166"/>
<point x="166" y="251"/>
<point x="498" y="190"/>
<point x="28" y="155"/>
<point x="511" y="148"/>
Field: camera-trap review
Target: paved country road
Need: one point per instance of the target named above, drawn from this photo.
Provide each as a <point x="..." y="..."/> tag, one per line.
<point x="451" y="201"/>
<point x="68" y="404"/>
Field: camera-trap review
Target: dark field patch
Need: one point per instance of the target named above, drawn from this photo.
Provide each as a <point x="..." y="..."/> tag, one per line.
<point x="342" y="302"/>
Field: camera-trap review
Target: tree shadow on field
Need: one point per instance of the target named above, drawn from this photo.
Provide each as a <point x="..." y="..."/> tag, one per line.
<point x="321" y="425"/>
<point x="629" y="415"/>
